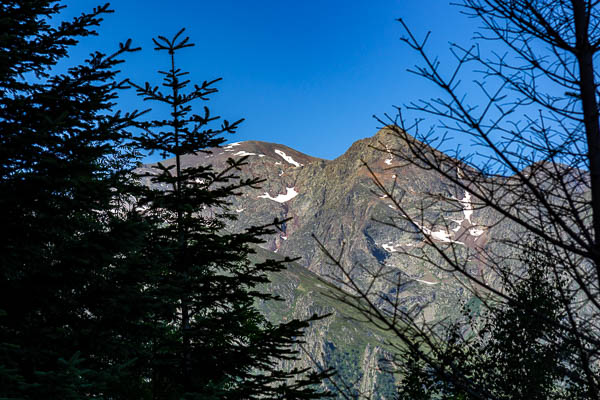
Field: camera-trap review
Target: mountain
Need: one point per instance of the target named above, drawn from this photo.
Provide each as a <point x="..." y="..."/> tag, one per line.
<point x="337" y="202"/>
<point x="357" y="349"/>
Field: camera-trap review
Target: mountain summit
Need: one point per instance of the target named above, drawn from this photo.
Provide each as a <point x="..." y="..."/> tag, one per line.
<point x="336" y="201"/>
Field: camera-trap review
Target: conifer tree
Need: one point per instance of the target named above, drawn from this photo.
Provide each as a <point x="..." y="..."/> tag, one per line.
<point x="505" y="353"/>
<point x="72" y="311"/>
<point x="216" y="345"/>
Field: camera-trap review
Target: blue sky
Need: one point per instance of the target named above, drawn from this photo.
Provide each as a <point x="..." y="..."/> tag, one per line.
<point x="309" y="74"/>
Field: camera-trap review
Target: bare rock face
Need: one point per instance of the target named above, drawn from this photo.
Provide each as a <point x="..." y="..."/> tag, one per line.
<point x="337" y="202"/>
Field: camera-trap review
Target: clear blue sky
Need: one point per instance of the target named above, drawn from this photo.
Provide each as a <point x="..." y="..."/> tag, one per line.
<point x="309" y="74"/>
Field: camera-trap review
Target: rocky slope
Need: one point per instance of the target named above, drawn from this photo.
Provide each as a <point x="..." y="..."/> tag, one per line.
<point x="336" y="202"/>
<point x="357" y="349"/>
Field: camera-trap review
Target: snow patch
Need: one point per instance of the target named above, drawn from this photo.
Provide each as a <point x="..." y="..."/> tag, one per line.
<point x="389" y="160"/>
<point x="389" y="248"/>
<point x="426" y="282"/>
<point x="467" y="206"/>
<point x="230" y="146"/>
<point x="476" y="232"/>
<point x="459" y="224"/>
<point x="288" y="158"/>
<point x="441" y="235"/>
<point x="239" y="210"/>
<point x="244" y="153"/>
<point x="281" y="198"/>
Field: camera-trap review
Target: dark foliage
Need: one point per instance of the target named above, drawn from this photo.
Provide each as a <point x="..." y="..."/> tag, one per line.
<point x="70" y="302"/>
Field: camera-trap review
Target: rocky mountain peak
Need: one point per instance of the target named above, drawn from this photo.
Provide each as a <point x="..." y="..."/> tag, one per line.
<point x="280" y="153"/>
<point x="336" y="202"/>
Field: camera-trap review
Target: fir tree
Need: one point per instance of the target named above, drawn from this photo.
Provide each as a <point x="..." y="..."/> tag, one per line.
<point x="216" y="344"/>
<point x="71" y="298"/>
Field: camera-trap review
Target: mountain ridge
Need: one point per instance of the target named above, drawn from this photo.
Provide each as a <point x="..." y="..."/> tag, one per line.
<point x="337" y="202"/>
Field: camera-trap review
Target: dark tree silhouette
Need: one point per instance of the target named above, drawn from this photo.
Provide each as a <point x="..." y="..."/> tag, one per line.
<point x="218" y="345"/>
<point x="69" y="300"/>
